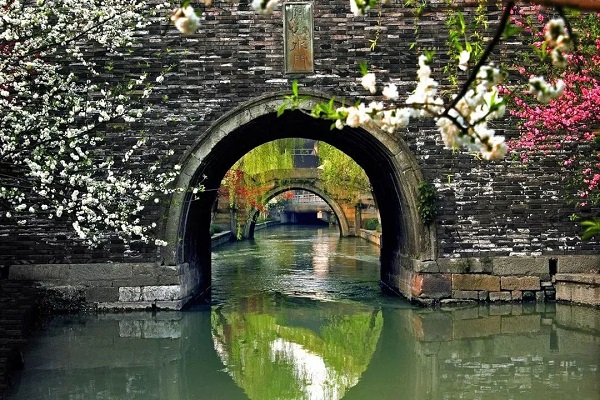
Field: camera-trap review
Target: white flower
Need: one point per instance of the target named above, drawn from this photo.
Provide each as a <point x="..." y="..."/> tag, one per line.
<point x="544" y="91"/>
<point x="354" y="9"/>
<point x="186" y="20"/>
<point x="160" y="79"/>
<point x="555" y="28"/>
<point x="496" y="148"/>
<point x="353" y="118"/>
<point x="264" y="6"/>
<point x="368" y="81"/>
<point x="463" y="60"/>
<point x="390" y="92"/>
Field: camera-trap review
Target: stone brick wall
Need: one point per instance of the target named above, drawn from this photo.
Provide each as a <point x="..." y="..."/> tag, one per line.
<point x="488" y="209"/>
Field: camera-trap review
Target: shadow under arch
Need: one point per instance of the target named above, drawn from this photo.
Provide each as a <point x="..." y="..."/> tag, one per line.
<point x="386" y="159"/>
<point x="334" y="205"/>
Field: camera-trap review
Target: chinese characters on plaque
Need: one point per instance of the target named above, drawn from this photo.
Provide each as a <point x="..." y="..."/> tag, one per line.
<point x="298" y="37"/>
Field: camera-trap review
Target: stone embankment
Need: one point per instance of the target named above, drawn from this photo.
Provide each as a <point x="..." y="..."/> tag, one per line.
<point x="578" y="288"/>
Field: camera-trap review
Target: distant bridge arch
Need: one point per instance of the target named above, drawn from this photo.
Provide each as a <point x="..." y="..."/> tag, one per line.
<point x="307" y="180"/>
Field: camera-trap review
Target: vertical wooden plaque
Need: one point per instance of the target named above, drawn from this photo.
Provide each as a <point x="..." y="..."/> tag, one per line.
<point x="298" y="37"/>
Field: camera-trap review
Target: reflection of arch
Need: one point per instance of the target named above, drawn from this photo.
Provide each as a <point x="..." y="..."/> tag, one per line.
<point x="387" y="160"/>
<point x="334" y="205"/>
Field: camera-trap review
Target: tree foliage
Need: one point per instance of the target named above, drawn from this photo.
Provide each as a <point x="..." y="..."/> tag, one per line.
<point x="566" y="128"/>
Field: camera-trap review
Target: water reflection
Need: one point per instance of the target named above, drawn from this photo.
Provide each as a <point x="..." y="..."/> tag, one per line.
<point x="277" y="347"/>
<point x="287" y="349"/>
<point x="279" y="330"/>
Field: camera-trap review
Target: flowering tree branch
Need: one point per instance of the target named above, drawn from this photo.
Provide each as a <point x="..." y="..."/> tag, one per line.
<point x="52" y="121"/>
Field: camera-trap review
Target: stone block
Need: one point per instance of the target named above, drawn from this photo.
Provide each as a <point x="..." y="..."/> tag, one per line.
<point x="432" y="286"/>
<point x="489" y="283"/>
<point x="101" y="294"/>
<point x="523" y="266"/>
<point x="464" y="265"/>
<point x="520" y="283"/>
<point x="483" y="295"/>
<point x="426" y="267"/>
<point x="500" y="296"/>
<point x="139" y="280"/>
<point x="586" y="294"/>
<point x="130" y="293"/>
<point x="161" y="293"/>
<point x="167" y="280"/>
<point x="168" y="270"/>
<point x="578" y="263"/>
<point x="586" y="279"/>
<point x="79" y="273"/>
<point x="42" y="272"/>
<point x="465" y="294"/>
<point x="517" y="295"/>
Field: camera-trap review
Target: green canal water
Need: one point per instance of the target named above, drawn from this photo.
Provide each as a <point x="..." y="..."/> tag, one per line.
<point x="298" y="314"/>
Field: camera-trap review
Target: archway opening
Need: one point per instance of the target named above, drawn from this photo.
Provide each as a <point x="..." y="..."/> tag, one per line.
<point x="389" y="165"/>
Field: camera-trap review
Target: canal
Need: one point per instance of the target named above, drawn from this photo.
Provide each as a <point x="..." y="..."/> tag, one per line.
<point x="298" y="313"/>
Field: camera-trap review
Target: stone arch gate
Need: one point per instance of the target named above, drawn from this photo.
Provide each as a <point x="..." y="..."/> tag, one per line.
<point x="343" y="202"/>
<point x="386" y="159"/>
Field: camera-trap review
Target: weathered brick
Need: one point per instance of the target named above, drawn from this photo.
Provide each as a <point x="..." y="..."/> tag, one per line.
<point x="520" y="283"/>
<point x="489" y="283"/>
<point x="465" y="294"/>
<point x="101" y="294"/>
<point x="500" y="296"/>
<point x="433" y="286"/>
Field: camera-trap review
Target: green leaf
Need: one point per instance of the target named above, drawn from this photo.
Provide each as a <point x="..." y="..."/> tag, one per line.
<point x="592" y="229"/>
<point x="295" y="88"/>
<point x="461" y="22"/>
<point x="281" y="109"/>
<point x="510" y="30"/>
<point x="429" y="55"/>
<point x="364" y="68"/>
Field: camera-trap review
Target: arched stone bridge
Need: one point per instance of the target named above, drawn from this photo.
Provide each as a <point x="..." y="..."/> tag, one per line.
<point x="502" y="232"/>
<point x="345" y="203"/>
